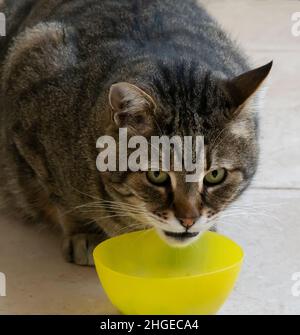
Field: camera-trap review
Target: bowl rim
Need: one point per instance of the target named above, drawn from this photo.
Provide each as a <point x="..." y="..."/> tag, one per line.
<point x="209" y="273"/>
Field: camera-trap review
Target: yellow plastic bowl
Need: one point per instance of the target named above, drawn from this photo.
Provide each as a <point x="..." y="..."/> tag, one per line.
<point x="141" y="274"/>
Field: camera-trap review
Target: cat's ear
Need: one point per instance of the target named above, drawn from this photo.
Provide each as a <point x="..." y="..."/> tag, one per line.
<point x="131" y="107"/>
<point x="242" y="87"/>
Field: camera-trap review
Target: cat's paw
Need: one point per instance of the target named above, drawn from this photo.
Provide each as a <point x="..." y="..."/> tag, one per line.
<point x="79" y="248"/>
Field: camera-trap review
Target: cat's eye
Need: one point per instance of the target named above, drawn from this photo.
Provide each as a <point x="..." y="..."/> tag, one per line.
<point x="158" y="177"/>
<point x="215" y="177"/>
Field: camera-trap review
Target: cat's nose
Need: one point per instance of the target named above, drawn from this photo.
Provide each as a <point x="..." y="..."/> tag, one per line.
<point x="187" y="222"/>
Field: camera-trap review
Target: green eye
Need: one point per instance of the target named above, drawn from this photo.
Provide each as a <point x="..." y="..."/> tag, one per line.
<point x="215" y="177"/>
<point x="157" y="177"/>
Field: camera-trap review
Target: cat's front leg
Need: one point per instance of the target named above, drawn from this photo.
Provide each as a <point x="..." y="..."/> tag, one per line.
<point x="78" y="248"/>
<point x="80" y="237"/>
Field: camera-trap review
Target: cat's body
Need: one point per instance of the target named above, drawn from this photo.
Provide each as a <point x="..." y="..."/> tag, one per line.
<point x="59" y="60"/>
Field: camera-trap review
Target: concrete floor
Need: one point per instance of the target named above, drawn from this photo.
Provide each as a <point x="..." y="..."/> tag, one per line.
<point x="39" y="281"/>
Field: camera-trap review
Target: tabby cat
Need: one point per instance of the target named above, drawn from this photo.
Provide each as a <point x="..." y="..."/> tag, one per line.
<point x="72" y="71"/>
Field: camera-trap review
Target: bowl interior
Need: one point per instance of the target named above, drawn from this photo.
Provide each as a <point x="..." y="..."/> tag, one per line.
<point x="144" y="254"/>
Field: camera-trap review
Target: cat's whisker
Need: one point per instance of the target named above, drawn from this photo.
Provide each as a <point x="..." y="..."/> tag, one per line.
<point x="241" y="222"/>
<point x="221" y="139"/>
<point x="131" y="227"/>
<point x="247" y="210"/>
<point x="217" y="137"/>
<point x="117" y="202"/>
<point x="86" y="194"/>
<point x="132" y="209"/>
<point x="77" y="207"/>
<point x="100" y="202"/>
<point x="139" y="209"/>
<point x="117" y="207"/>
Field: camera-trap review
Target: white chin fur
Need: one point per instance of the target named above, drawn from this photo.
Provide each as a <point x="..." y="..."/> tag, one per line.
<point x="173" y="242"/>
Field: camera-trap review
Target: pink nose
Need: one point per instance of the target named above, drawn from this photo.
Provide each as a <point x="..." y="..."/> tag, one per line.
<point x="187" y="223"/>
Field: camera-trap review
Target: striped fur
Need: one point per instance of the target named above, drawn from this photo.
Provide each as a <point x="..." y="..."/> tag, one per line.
<point x="59" y="60"/>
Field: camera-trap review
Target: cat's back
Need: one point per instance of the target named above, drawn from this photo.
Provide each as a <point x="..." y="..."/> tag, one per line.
<point x="119" y="30"/>
<point x="160" y="28"/>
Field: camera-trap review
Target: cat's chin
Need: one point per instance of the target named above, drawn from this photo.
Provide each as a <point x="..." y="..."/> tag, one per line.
<point x="179" y="239"/>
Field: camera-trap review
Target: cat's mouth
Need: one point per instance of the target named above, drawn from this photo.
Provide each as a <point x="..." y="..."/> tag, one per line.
<point x="182" y="236"/>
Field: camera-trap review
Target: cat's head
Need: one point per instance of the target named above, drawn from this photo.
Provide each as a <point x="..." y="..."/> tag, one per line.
<point x="221" y="110"/>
